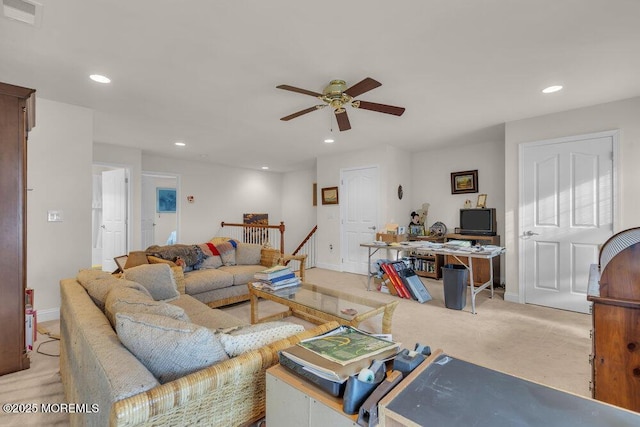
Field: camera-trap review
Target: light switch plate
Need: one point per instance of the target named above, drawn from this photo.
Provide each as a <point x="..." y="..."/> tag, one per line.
<point x="54" y="216"/>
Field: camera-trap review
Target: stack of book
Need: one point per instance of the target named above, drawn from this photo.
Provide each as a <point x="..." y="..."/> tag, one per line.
<point x="328" y="360"/>
<point x="404" y="282"/>
<point x="276" y="278"/>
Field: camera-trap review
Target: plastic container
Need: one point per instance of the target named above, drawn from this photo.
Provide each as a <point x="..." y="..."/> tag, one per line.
<point x="454" y="281"/>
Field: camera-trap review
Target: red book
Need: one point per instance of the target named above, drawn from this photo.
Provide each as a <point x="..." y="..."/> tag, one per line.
<point x="395" y="279"/>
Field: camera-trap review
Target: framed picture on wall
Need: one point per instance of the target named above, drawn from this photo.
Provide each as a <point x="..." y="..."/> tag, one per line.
<point x="464" y="182"/>
<point x="330" y="196"/>
<point x="165" y="200"/>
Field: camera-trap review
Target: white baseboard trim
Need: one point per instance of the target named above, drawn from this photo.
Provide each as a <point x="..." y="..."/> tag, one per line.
<point x="333" y="267"/>
<point x="48" y="314"/>
<point x="512" y="297"/>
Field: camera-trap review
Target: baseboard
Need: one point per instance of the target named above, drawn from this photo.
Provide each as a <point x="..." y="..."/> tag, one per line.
<point x="48" y="314"/>
<point x="512" y="297"/>
<point x="333" y="267"/>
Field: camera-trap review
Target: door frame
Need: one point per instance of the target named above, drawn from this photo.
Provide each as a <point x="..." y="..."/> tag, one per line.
<point x="178" y="197"/>
<point x="127" y="175"/>
<point x="615" y="136"/>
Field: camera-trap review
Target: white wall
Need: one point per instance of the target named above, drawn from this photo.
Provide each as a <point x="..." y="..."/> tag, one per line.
<point x="221" y="194"/>
<point x="623" y="115"/>
<point x="298" y="213"/>
<point x="59" y="174"/>
<point x="389" y="160"/>
<point x="431" y="181"/>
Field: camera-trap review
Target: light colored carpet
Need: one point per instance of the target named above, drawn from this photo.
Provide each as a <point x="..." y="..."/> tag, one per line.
<point x="537" y="343"/>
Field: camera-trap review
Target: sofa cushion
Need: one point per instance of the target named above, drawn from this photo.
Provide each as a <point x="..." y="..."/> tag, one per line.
<point x="248" y="254"/>
<point x="198" y="281"/>
<point x="125" y="299"/>
<point x="255" y="336"/>
<point x="157" y="278"/>
<point x="242" y="274"/>
<point x="203" y="315"/>
<point x="169" y="348"/>
<point x="98" y="284"/>
<point x="178" y="276"/>
<point x="213" y="261"/>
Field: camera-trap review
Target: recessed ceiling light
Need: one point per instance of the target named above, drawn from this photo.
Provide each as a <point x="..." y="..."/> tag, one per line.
<point x="100" y="78"/>
<point x="264" y="168"/>
<point x="179" y="144"/>
<point x="552" y="89"/>
<point x="329" y="140"/>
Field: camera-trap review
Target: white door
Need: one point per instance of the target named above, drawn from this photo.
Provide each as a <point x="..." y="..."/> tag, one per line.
<point x="148" y="211"/>
<point x="359" y="216"/>
<point x="567" y="211"/>
<point x="114" y="217"/>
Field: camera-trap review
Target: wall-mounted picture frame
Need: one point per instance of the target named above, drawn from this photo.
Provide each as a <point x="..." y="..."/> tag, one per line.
<point x="330" y="196"/>
<point x="165" y="200"/>
<point x="482" y="201"/>
<point x="464" y="182"/>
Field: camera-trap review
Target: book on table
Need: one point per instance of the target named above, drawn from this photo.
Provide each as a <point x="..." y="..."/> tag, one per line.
<point x="340" y="353"/>
<point x="272" y="286"/>
<point x="273" y="272"/>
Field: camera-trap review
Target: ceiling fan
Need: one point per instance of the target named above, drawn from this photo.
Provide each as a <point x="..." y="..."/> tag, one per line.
<point x="336" y="95"/>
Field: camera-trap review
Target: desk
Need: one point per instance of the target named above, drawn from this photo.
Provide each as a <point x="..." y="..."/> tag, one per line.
<point x="461" y="254"/>
<point x="456" y="253"/>
<point x="446" y="391"/>
<point x="370" y="246"/>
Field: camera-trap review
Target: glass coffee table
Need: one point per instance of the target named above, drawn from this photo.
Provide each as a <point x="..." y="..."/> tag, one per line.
<point x="318" y="305"/>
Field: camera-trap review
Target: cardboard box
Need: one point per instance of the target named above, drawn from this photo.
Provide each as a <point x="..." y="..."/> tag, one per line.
<point x="391" y="238"/>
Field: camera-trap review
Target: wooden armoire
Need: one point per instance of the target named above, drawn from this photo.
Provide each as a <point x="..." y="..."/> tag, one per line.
<point x="614" y="289"/>
<point x="17" y="114"/>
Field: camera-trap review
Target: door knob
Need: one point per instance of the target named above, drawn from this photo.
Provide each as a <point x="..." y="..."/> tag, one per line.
<point x="103" y="227"/>
<point x="530" y="233"/>
<point x="373" y="227"/>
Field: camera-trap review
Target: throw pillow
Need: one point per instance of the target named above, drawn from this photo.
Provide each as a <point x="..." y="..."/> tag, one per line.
<point x="227" y="251"/>
<point x="255" y="336"/>
<point x="125" y="299"/>
<point x="157" y="278"/>
<point x="98" y="284"/>
<point x="169" y="348"/>
<point x="248" y="254"/>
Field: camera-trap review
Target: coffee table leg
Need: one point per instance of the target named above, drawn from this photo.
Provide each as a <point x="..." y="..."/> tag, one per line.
<point x="254" y="308"/>
<point x="387" y="317"/>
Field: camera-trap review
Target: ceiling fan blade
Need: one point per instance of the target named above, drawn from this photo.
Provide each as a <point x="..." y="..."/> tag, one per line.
<point x="381" y="108"/>
<point x="301" y="112"/>
<point x="298" y="90"/>
<point x="343" y="120"/>
<point x="364" y="86"/>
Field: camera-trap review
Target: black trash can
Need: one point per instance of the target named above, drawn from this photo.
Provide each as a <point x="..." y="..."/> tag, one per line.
<point x="454" y="281"/>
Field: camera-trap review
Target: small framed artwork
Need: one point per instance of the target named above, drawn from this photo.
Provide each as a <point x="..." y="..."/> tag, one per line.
<point x="482" y="201"/>
<point x="402" y="230"/>
<point x="464" y="182"/>
<point x="165" y="200"/>
<point x="330" y="196"/>
<point x="120" y="262"/>
<point x="416" y="230"/>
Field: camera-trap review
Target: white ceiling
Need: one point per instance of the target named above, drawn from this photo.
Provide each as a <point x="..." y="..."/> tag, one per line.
<point x="205" y="72"/>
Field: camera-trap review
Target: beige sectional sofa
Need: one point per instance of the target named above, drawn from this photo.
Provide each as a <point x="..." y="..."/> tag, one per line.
<point x="113" y="386"/>
<point x="217" y="280"/>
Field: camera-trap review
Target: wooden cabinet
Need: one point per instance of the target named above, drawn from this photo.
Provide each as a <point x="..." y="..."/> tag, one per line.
<point x="481" y="273"/>
<point x="16" y="118"/>
<point x="293" y="402"/>
<point x="614" y="289"/>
